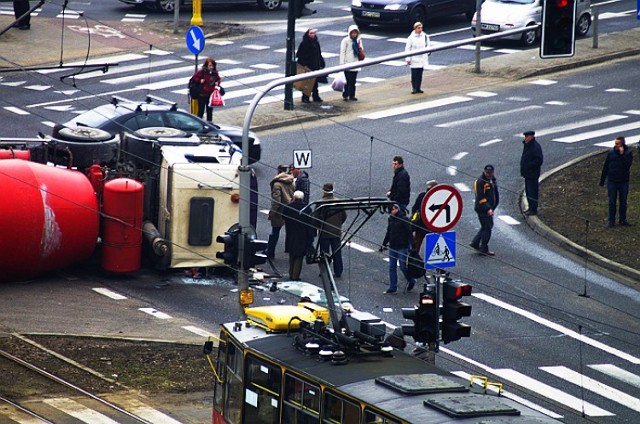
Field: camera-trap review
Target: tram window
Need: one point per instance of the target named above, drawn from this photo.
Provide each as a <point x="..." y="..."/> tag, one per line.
<point x="339" y="411"/>
<point x="262" y="392"/>
<point x="233" y="381"/>
<point x="220" y="369"/>
<point x="301" y="401"/>
<point x="371" y="417"/>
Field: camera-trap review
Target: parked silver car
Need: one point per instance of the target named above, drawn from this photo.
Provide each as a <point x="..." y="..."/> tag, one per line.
<point x="503" y="15"/>
<point x="168" y="5"/>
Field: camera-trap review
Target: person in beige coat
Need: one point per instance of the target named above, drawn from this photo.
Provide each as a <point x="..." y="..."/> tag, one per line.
<point x="417" y="40"/>
<point x="282" y="188"/>
<point x="349" y="49"/>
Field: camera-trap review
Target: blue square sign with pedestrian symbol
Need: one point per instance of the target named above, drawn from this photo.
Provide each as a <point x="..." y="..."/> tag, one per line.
<point x="440" y="250"/>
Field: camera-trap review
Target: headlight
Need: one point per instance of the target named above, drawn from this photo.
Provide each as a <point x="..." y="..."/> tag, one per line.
<point x="396" y="6"/>
<point x="356" y="3"/>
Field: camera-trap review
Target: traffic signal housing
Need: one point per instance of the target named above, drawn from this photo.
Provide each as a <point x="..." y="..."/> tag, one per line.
<point x="558" y="28"/>
<point x="300" y="8"/>
<point x="425" y="319"/>
<point x="253" y="252"/>
<point x="230" y="240"/>
<point x="453" y="310"/>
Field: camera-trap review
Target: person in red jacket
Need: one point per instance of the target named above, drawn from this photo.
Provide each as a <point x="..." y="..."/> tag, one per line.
<point x="208" y="78"/>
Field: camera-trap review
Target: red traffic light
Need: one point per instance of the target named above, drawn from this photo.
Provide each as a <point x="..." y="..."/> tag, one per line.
<point x="562" y="3"/>
<point x="454" y="290"/>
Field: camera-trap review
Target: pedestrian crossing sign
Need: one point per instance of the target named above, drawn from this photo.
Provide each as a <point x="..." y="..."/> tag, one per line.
<point x="440" y="250"/>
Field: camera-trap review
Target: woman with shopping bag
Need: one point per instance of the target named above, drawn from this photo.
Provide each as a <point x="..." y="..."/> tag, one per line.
<point x="208" y="78"/>
<point x="310" y="56"/>
<point x="351" y="50"/>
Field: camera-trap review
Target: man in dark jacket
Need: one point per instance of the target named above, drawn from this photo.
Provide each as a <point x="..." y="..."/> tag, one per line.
<point x="530" y="164"/>
<point x="399" y="239"/>
<point x="330" y="227"/>
<point x="310" y="55"/>
<point x="616" y="168"/>
<point x="300" y="233"/>
<point x="400" y="190"/>
<point x="301" y="180"/>
<point x="419" y="229"/>
<point x="485" y="189"/>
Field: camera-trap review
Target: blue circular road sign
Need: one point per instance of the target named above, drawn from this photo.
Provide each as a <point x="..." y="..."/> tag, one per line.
<point x="195" y="39"/>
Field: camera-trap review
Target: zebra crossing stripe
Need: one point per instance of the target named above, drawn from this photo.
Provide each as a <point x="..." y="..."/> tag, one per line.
<point x="129" y="68"/>
<point x="582" y="338"/>
<point x="416" y="107"/>
<point x="618" y="373"/>
<point x="574" y="125"/>
<point x="148" y="413"/>
<point x="148" y="76"/>
<point x="595" y="386"/>
<point x="598" y="133"/>
<point x="551" y="393"/>
<point x="79" y="411"/>
<point x="475" y="119"/>
<point x="513" y="397"/>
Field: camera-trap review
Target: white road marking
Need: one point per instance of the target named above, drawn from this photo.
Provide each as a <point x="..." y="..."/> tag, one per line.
<point x="452" y="170"/>
<point x="632" y="139"/>
<point x="557" y="327"/>
<point x="487" y="116"/>
<point x="459" y="156"/>
<point x="416" y="107"/>
<point x="543" y="82"/>
<point x="632" y="112"/>
<point x="487" y="143"/>
<point x="462" y="187"/>
<point x="79" y="411"/>
<point x="508" y="219"/>
<point x="111" y="294"/>
<point x="256" y="47"/>
<point x="359" y="247"/>
<point x="198" y="331"/>
<point x="574" y="125"/>
<point x="556" y="103"/>
<point x="618" y="373"/>
<point x="580" y="86"/>
<point x="149" y="75"/>
<point x="112" y="59"/>
<point x="37" y="87"/>
<point x="155" y="313"/>
<point x="122" y="69"/>
<point x="148" y="413"/>
<point x="595" y="386"/>
<point x="482" y="94"/>
<point x="598" y="133"/>
<point x="16" y="110"/>
<point x="265" y="66"/>
<point x="616" y="90"/>
<point x="515" y="398"/>
<point x="551" y="392"/>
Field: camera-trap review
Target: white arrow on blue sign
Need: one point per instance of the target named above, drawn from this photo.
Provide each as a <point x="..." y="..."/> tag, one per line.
<point x="195" y="39"/>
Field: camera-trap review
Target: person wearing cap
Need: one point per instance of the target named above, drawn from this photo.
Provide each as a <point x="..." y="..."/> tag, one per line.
<point x="530" y="165"/>
<point x="309" y="54"/>
<point x="417" y="40"/>
<point x="487" y="196"/>
<point x="282" y="188"/>
<point x="300" y="234"/>
<point x="417" y="225"/>
<point x="330" y="230"/>
<point x="616" y="171"/>
<point x="349" y="49"/>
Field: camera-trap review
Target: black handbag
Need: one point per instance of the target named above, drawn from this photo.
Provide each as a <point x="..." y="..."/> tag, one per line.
<point x="415" y="265"/>
<point x="323" y="80"/>
<point x="195" y="89"/>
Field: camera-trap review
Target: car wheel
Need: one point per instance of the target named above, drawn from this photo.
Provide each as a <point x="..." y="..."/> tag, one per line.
<point x="269" y="4"/>
<point x="418" y="14"/>
<point x="165" y="5"/>
<point x="529" y="37"/>
<point x="84" y="134"/>
<point x="154" y="133"/>
<point x="583" y="25"/>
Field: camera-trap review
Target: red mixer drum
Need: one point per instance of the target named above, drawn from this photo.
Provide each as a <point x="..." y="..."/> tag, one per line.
<point x="122" y="225"/>
<point x="49" y="219"/>
<point x="15" y="154"/>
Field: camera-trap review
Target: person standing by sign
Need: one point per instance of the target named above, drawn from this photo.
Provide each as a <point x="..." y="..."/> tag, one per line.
<point x="351" y="51"/>
<point x="301" y="181"/>
<point x="530" y="164"/>
<point x="330" y="230"/>
<point x="417" y="224"/>
<point x="616" y="170"/>
<point x="310" y="55"/>
<point x="417" y="40"/>
<point x="300" y="234"/>
<point x="485" y="189"/>
<point x="208" y="78"/>
<point x="282" y="188"/>
<point x="399" y="238"/>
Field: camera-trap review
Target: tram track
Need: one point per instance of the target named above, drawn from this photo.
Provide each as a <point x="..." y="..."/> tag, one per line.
<point x="39" y="384"/>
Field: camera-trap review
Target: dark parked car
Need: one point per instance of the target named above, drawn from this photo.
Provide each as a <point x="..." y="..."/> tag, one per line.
<point x="167" y="5"/>
<point x="404" y="13"/>
<point x="123" y="115"/>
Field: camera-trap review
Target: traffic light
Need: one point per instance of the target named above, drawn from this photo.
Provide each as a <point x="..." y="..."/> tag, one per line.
<point x="425" y="319"/>
<point x="453" y="310"/>
<point x="230" y="241"/>
<point x="300" y="8"/>
<point x="558" y="28"/>
<point x="253" y="252"/>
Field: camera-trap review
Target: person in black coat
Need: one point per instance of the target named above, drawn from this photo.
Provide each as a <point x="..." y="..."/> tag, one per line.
<point x="399" y="239"/>
<point x="419" y="229"/>
<point x="300" y="234"/>
<point x="400" y="190"/>
<point x="20" y="7"/>
<point x="530" y="164"/>
<point x="616" y="169"/>
<point x="310" y="55"/>
<point x="487" y="198"/>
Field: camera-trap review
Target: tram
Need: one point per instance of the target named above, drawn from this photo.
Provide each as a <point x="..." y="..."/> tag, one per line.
<point x="309" y="364"/>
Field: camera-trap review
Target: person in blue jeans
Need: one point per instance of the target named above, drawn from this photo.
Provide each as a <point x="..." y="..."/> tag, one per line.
<point x="399" y="239"/>
<point x="616" y="170"/>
